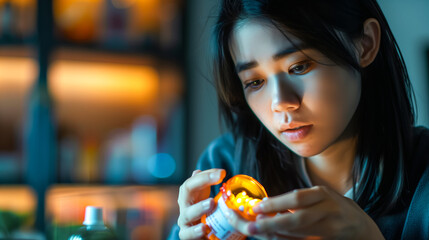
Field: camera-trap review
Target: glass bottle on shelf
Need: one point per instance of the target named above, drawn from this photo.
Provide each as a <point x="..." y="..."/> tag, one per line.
<point x="94" y="228"/>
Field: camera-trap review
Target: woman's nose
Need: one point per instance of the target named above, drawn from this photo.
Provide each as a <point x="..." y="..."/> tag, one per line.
<point x="284" y="93"/>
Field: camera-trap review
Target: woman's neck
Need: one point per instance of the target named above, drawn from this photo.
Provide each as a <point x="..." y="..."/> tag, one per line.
<point x="333" y="166"/>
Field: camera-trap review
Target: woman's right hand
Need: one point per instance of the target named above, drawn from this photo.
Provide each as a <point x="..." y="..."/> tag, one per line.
<point x="194" y="202"/>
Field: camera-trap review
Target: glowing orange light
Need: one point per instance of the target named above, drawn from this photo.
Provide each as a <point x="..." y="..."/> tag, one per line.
<point x="240" y="193"/>
<point x="17" y="75"/>
<point x="104" y="82"/>
<point x="17" y="72"/>
<point x="77" y="19"/>
<point x="18" y="199"/>
<point x="244" y="203"/>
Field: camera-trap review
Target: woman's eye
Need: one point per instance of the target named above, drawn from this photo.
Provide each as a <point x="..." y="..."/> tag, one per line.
<point x="300" y="68"/>
<point x="254" y="84"/>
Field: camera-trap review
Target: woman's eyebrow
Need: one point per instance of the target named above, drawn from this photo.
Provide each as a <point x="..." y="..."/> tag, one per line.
<point x="283" y="53"/>
<point x="239" y="67"/>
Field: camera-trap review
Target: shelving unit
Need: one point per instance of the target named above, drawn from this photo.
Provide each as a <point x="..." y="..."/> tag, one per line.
<point x="96" y="105"/>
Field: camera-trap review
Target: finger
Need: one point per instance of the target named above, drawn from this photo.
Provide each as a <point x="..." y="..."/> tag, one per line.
<point x="295" y="224"/>
<point x="204" y="179"/>
<point x="197" y="182"/>
<point x="324" y="229"/>
<point x="319" y="220"/>
<point x="277" y="236"/>
<point x="194" y="212"/>
<point x="237" y="222"/>
<point x="293" y="200"/>
<point x="262" y="216"/>
<point x="195" y="172"/>
<point x="194" y="232"/>
<point x="292" y="237"/>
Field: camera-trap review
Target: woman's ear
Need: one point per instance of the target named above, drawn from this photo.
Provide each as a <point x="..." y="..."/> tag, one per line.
<point x="369" y="43"/>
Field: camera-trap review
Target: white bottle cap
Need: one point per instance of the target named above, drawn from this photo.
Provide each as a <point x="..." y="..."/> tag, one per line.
<point x="93" y="216"/>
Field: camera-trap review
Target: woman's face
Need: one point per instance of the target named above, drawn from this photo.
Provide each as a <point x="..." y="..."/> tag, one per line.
<point x="303" y="98"/>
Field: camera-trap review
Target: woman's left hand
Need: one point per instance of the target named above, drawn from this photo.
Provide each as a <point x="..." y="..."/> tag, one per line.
<point x="313" y="213"/>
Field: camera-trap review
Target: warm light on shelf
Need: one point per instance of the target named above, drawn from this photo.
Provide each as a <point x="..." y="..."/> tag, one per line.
<point x="77" y="19"/>
<point x="103" y="82"/>
<point x="17" y="75"/>
<point x="19" y="2"/>
<point x="18" y="199"/>
<point x="140" y="212"/>
<point x="17" y="72"/>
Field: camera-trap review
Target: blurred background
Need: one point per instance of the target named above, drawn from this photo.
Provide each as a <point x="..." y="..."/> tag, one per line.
<point x="110" y="103"/>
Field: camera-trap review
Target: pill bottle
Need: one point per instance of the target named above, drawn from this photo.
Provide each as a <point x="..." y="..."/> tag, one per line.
<point x="240" y="193"/>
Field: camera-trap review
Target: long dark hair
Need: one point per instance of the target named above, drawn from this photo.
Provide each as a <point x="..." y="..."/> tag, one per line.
<point x="384" y="117"/>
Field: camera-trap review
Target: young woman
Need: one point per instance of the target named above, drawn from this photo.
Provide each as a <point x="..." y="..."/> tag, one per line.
<point x="320" y="110"/>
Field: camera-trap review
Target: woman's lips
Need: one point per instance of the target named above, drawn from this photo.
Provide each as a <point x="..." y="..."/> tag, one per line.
<point x="297" y="134"/>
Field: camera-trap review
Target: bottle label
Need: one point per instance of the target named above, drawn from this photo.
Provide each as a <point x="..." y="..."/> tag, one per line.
<point x="219" y="224"/>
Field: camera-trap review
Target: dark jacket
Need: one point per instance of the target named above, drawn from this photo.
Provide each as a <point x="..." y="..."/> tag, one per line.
<point x="409" y="222"/>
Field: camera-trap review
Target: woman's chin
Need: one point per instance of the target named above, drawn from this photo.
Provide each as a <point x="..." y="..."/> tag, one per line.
<point x="305" y="151"/>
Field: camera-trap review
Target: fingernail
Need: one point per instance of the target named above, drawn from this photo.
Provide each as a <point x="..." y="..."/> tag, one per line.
<point x="207" y="204"/>
<point x="199" y="229"/>
<point x="259" y="207"/>
<point x="214" y="176"/>
<point x="194" y="172"/>
<point x="253" y="228"/>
